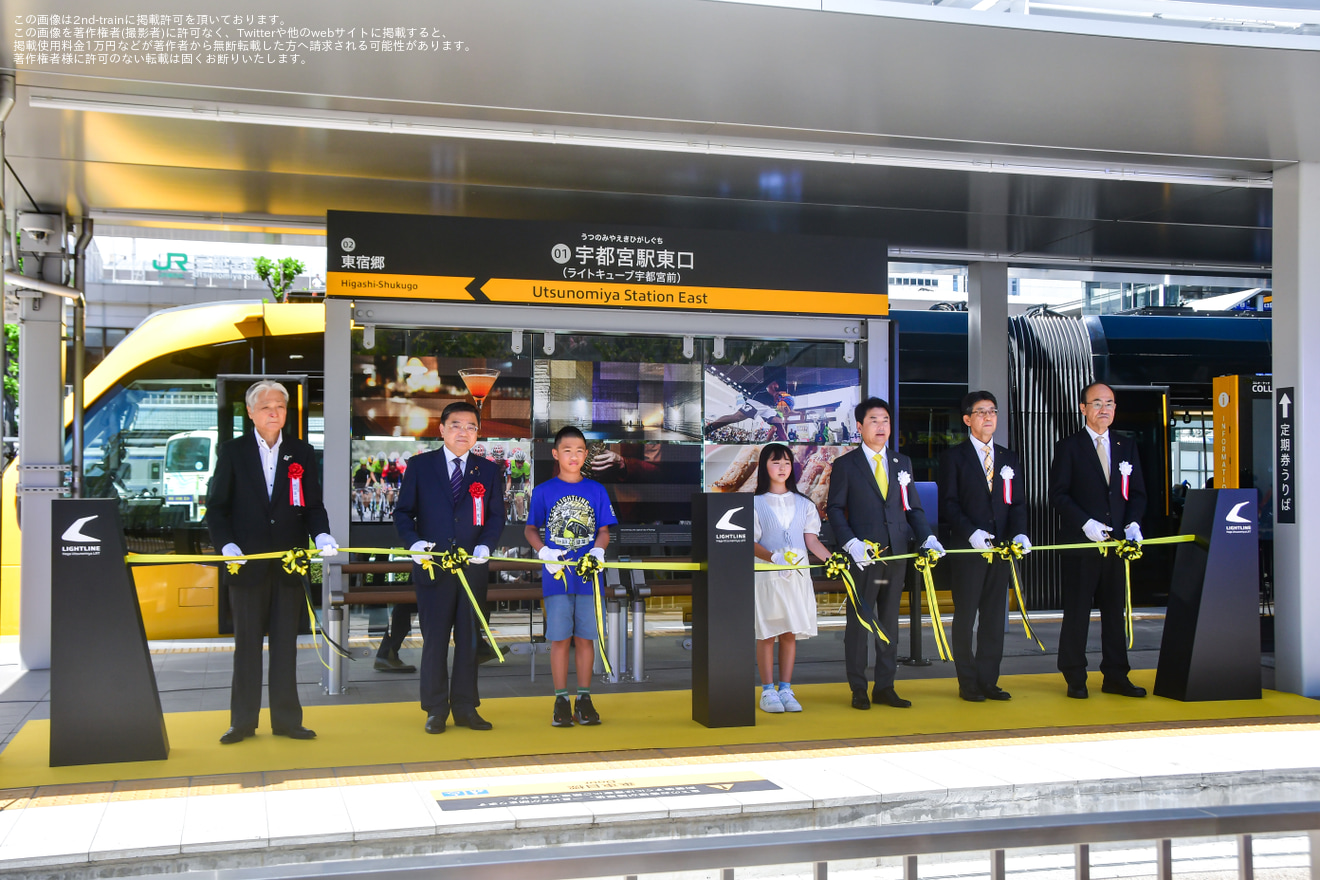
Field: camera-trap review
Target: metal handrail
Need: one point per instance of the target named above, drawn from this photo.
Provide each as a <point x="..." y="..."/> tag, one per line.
<point x="821" y="846"/>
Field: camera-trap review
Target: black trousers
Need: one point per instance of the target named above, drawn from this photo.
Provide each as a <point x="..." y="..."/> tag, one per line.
<point x="1091" y="579"/>
<point x="400" y="626"/>
<point x="443" y="610"/>
<point x="266" y="603"/>
<point x="980" y="596"/>
<point x="879" y="586"/>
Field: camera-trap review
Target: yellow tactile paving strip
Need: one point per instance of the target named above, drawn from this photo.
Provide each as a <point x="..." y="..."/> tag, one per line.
<point x="641" y="730"/>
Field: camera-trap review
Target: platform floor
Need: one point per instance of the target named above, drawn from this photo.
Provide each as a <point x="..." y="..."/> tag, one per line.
<point x="375" y="784"/>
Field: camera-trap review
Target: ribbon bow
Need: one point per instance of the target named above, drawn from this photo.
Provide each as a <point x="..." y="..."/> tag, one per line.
<point x="837" y="566"/>
<point x="591" y="567"/>
<point x="925" y="563"/>
<point x="454" y="561"/>
<point x="1011" y="552"/>
<point x="294" y="562"/>
<point x="1129" y="552"/>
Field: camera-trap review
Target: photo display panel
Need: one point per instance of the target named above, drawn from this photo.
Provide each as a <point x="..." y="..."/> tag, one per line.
<point x="400" y="387"/>
<point x="661" y="419"/>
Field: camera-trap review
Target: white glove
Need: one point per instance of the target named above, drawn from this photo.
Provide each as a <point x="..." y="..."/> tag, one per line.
<point x="860" y="553"/>
<point x="421" y="545"/>
<point x="1025" y="544"/>
<point x="1095" y="531"/>
<point x="777" y="558"/>
<point x="326" y="545"/>
<point x="933" y="543"/>
<point x="598" y="553"/>
<point x="480" y="555"/>
<point x="550" y="554"/>
<point x="1133" y="532"/>
<point x="980" y="540"/>
<point x="232" y="550"/>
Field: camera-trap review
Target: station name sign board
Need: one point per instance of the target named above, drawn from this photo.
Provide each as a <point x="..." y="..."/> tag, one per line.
<point x="463" y="259"/>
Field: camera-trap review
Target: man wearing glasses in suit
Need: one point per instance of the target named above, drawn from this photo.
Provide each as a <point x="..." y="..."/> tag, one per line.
<point x="1096" y="487"/>
<point x="982" y="495"/>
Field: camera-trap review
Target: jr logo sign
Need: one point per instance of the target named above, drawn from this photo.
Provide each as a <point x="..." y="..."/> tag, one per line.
<point x="175" y="264"/>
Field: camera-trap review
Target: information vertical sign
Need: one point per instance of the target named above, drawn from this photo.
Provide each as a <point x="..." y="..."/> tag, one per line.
<point x="1285" y="489"/>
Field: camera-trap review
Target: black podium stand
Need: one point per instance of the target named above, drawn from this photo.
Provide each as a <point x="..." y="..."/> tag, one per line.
<point x="723" y="608"/>
<point x="1211" y="644"/>
<point x="104" y="706"/>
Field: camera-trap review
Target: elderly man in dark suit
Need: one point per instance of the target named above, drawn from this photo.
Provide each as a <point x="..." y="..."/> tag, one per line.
<point x="871" y="498"/>
<point x="1096" y="487"/>
<point x="264" y="497"/>
<point x="450" y="498"/>
<point x="982" y="495"/>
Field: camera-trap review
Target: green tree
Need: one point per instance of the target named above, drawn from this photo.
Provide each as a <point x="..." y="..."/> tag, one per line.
<point x="279" y="277"/>
<point x="11" y="348"/>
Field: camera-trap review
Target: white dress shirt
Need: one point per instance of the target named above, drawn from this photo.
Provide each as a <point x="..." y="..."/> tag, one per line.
<point x="270" y="459"/>
<point x="449" y="463"/>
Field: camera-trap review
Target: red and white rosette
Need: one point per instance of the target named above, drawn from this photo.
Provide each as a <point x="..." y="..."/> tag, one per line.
<point x="1006" y="474"/>
<point x="478" y="492"/>
<point x="295" y="485"/>
<point x="903" y="479"/>
<point x="1125" y="468"/>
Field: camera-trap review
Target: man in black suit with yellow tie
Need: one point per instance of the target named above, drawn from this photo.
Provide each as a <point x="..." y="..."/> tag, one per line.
<point x="982" y="495"/>
<point x="450" y="498"/>
<point x="871" y="499"/>
<point x="265" y="497"/>
<point x="1096" y="487"/>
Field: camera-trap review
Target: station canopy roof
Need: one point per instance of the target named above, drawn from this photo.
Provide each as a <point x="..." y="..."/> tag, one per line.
<point x="948" y="133"/>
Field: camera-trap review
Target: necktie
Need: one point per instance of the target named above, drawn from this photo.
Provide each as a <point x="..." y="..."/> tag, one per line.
<point x="1101" y="451"/>
<point x="989" y="470"/>
<point x="881" y="478"/>
<point x="456" y="478"/>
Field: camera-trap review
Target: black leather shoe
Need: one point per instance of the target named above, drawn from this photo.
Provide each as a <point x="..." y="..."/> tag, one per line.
<point x="1078" y="692"/>
<point x="294" y="732"/>
<point x="971" y="696"/>
<point x="237" y="734"/>
<point x="860" y="700"/>
<point x="890" y="698"/>
<point x="1123" y="688"/>
<point x="435" y="724"/>
<point x="392" y="663"/>
<point x="996" y="693"/>
<point x="472" y="721"/>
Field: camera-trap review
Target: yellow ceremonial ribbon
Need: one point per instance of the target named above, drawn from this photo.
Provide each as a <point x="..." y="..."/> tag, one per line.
<point x="836" y="567"/>
<point x="925" y="564"/>
<point x="590" y="566"/>
<point x="454" y="561"/>
<point x="1128" y="551"/>
<point x="1011" y="553"/>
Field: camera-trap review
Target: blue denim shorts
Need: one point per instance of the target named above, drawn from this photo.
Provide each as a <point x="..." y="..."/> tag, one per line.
<point x="570" y="615"/>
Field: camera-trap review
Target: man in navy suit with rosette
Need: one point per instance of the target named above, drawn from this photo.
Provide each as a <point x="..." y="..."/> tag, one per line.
<point x="451" y="498"/>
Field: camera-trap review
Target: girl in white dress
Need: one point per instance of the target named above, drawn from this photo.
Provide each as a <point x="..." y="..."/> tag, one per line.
<point x="787" y="526"/>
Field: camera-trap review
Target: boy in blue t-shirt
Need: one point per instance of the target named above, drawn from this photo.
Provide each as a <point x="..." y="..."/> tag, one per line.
<point x="576" y="515"/>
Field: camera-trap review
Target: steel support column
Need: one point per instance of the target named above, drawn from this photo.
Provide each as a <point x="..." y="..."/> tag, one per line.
<point x="1296" y="326"/>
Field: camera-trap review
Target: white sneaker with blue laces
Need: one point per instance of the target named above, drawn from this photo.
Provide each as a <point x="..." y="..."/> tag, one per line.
<point x="788" y="701"/>
<point x="770" y="701"/>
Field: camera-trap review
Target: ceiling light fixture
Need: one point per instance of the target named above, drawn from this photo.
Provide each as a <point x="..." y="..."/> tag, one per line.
<point x="532" y="133"/>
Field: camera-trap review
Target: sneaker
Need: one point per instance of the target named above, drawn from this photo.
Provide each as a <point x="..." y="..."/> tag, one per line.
<point x="563" y="713"/>
<point x="789" y="701"/>
<point x="584" y="712"/>
<point x="770" y="701"/>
